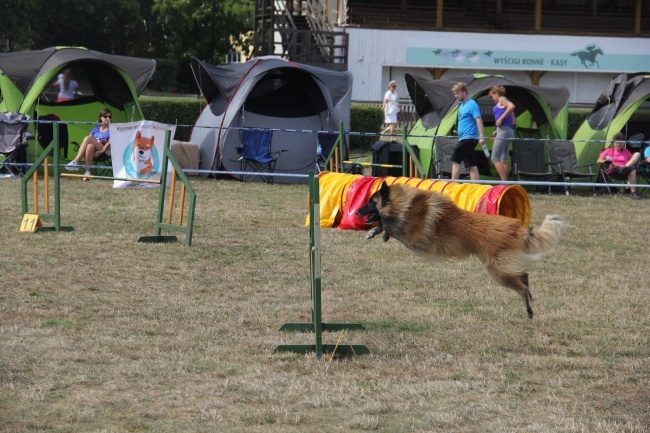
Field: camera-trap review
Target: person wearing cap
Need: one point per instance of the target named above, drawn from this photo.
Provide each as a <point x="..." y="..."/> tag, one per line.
<point x="391" y="108"/>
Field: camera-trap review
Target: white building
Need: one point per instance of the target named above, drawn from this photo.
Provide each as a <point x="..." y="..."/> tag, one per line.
<point x="583" y="64"/>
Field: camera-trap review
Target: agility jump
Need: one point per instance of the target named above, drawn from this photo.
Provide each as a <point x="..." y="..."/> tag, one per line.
<point x="317" y="326"/>
<point x="32" y="219"/>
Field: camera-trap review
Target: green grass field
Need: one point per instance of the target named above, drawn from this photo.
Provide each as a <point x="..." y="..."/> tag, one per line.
<point x="99" y="333"/>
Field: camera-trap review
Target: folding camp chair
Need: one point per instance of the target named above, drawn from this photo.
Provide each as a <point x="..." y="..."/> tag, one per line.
<point x="564" y="163"/>
<point x="324" y="146"/>
<point x="643" y="176"/>
<point x="13" y="145"/>
<point x="528" y="160"/>
<point x="45" y="133"/>
<point x="612" y="182"/>
<point x="634" y="144"/>
<point x="255" y="155"/>
<point x="103" y="165"/>
<point x="444" y="149"/>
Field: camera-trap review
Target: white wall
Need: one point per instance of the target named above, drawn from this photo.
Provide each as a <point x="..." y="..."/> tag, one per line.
<point x="377" y="56"/>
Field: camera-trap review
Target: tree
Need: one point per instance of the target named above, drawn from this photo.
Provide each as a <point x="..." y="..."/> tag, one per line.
<point x="16" y="32"/>
<point x="207" y="29"/>
<point x="162" y="29"/>
<point x="110" y="26"/>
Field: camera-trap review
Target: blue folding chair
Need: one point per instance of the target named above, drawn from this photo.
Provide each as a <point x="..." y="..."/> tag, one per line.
<point x="255" y="155"/>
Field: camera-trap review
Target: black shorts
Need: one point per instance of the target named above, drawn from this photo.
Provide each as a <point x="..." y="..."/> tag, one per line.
<point x="464" y="152"/>
<point x="621" y="173"/>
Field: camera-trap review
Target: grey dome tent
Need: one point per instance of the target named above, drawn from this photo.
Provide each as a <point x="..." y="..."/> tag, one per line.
<point x="274" y="93"/>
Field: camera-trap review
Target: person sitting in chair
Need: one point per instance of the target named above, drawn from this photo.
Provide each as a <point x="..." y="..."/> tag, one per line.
<point x="620" y="163"/>
<point x="94" y="144"/>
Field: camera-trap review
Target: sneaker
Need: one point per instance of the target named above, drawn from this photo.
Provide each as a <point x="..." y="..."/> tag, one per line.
<point x="72" y="166"/>
<point x="87" y="174"/>
<point x="635" y="196"/>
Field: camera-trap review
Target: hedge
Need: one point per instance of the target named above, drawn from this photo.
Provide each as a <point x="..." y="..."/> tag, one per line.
<point x="363" y="118"/>
<point x="175" y="111"/>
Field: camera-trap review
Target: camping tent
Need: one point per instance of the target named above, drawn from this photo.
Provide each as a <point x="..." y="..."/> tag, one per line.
<point x="294" y="100"/>
<point x="541" y="112"/>
<point x="105" y="81"/>
<point x="612" y="113"/>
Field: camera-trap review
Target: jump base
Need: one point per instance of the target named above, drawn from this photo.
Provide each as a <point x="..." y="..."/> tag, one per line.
<point x="158" y="239"/>
<point x="53" y="229"/>
<point x="340" y="350"/>
<point x="333" y="327"/>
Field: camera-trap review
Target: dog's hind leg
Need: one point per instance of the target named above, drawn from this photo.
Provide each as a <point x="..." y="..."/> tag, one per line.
<point x="518" y="284"/>
<point x="524" y="279"/>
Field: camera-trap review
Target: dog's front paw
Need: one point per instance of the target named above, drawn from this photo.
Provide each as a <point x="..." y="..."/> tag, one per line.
<point x="372" y="233"/>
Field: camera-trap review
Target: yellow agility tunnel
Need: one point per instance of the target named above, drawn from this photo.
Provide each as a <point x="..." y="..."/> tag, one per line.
<point x="341" y="195"/>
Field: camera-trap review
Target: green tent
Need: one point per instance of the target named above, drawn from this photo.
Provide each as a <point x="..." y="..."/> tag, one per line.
<point x="612" y="113"/>
<point x="541" y="112"/>
<point x="105" y="81"/>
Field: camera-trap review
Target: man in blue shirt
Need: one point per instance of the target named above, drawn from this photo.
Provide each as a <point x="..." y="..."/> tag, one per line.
<point x="470" y="133"/>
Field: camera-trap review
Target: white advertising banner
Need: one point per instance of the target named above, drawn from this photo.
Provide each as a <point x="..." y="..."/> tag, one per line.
<point x="137" y="151"/>
<point x="529" y="52"/>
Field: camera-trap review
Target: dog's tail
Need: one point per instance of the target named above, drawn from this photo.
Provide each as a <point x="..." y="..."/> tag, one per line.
<point x="544" y="237"/>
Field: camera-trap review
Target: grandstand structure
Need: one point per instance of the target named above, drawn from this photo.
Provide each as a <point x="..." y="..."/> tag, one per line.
<point x="578" y="44"/>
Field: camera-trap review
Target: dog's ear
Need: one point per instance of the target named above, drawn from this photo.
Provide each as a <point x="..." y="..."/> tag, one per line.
<point x="384" y="192"/>
<point x="137" y="135"/>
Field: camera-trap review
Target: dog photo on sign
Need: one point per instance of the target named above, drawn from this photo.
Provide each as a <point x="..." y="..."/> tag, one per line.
<point x="143" y="154"/>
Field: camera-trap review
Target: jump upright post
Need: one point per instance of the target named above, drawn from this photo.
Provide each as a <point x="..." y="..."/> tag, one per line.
<point x="31" y="220"/>
<point x="168" y="156"/>
<point x="415" y="168"/>
<point x="317" y="326"/>
<point x="336" y="156"/>
<point x="412" y="168"/>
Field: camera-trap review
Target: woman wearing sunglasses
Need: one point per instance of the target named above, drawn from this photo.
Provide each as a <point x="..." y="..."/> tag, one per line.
<point x="391" y="108"/>
<point x="96" y="143"/>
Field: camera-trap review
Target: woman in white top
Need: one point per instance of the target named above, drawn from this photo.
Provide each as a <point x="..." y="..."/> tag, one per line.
<point x="391" y="107"/>
<point x="68" y="88"/>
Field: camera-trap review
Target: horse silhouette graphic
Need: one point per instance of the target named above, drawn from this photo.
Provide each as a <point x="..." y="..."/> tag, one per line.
<point x="588" y="55"/>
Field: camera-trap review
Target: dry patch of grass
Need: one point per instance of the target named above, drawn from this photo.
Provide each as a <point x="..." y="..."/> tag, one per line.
<point x="99" y="333"/>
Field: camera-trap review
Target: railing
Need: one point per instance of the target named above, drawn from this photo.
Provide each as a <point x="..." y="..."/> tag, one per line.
<point x="300" y="45"/>
<point x="406" y="118"/>
<point x="319" y="23"/>
<point x="283" y="16"/>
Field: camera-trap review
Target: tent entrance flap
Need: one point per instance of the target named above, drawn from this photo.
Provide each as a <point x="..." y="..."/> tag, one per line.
<point x="299" y="94"/>
<point x="97" y="82"/>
